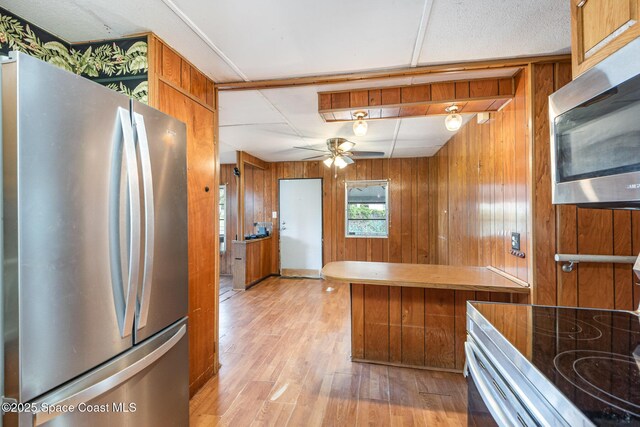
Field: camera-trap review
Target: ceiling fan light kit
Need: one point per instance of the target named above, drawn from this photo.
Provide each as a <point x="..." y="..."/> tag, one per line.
<point x="453" y="120"/>
<point x="360" y="125"/>
<point x="328" y="162"/>
<point x="340" y="162"/>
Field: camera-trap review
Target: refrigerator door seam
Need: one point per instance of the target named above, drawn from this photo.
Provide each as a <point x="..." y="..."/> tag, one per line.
<point x="147" y="181"/>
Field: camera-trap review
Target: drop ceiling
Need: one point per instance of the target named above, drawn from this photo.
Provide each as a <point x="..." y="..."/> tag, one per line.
<point x="267" y="39"/>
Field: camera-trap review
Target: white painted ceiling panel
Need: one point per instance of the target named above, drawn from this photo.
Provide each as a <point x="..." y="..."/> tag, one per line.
<point x="285" y="38"/>
<point x="270" y="142"/>
<point x="247" y="107"/>
<point x="77" y="21"/>
<point x="424" y="132"/>
<point x="466" y="30"/>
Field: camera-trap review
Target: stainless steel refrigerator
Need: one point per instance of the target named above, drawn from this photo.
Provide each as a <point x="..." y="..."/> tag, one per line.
<point x="94" y="254"/>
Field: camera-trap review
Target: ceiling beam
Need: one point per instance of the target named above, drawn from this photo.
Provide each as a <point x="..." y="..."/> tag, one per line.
<point x="390" y="73"/>
<point x="430" y="99"/>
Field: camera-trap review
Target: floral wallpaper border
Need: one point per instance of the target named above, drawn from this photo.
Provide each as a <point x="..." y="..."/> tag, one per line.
<point x="121" y="64"/>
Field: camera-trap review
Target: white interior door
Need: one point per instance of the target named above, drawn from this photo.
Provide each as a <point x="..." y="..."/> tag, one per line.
<point x="301" y="227"/>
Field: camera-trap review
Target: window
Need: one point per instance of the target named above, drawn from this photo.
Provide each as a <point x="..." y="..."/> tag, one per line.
<point x="223" y="218"/>
<point x="367" y="211"/>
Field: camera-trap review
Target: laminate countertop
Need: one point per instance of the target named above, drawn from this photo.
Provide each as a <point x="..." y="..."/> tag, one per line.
<point x="252" y="240"/>
<point x="421" y="276"/>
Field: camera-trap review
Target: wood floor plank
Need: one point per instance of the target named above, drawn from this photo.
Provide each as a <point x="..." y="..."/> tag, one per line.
<point x="285" y="348"/>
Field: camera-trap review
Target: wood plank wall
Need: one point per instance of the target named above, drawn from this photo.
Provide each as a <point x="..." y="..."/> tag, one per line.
<point x="479" y="191"/>
<point x="408" y="205"/>
<point x="227" y="177"/>
<point x="567" y="229"/>
<point x="177" y="88"/>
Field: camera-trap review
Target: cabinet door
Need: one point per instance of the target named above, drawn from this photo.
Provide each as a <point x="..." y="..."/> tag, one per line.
<point x="599" y="28"/>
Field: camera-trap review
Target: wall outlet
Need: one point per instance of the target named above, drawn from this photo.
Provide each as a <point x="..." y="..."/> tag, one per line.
<point x="515" y="241"/>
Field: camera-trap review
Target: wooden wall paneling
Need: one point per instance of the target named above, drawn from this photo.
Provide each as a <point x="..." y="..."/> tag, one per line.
<point x="167" y="93"/>
<point x="521" y="177"/>
<point x="471" y="204"/>
<point x="249" y="190"/>
<point x="395" y="210"/>
<point x="171" y="66"/>
<point x="440" y="328"/>
<point x="406" y="217"/>
<point x="499" y="192"/>
<point x="185" y="76"/>
<point x="413" y="326"/>
<point x="622" y="273"/>
<point x="432" y="210"/>
<point x="595" y="237"/>
<point x="395" y="324"/>
<point x="422" y="230"/>
<point x="443" y="206"/>
<point x="544" y="228"/>
<point x="357" y="321"/>
<point x="376" y="322"/>
<point x="510" y="214"/>
<point x="198" y="85"/>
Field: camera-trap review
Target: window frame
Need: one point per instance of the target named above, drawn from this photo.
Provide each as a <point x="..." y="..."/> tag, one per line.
<point x="347" y="184"/>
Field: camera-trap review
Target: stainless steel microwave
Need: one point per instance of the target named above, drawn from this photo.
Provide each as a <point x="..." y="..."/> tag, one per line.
<point x="595" y="134"/>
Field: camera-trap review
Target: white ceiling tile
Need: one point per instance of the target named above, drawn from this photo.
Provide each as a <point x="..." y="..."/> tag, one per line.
<point x="466" y="30"/>
<point x="270" y="142"/>
<point x="247" y="107"/>
<point x="77" y="21"/>
<point x="424" y="132"/>
<point x="285" y="38"/>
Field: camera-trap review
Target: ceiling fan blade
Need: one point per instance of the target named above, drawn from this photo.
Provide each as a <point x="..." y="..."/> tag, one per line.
<point x="363" y="154"/>
<point x="316" y="157"/>
<point x="312" y="149"/>
<point x="346" y="146"/>
<point x="348" y="160"/>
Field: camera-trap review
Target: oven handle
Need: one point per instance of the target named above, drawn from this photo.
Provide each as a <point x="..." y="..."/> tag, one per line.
<point x="485" y="389"/>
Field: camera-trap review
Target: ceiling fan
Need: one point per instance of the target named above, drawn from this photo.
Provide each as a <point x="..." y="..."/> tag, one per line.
<point x="340" y="153"/>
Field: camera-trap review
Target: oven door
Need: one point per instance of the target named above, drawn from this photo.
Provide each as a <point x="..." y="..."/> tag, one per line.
<point x="491" y="402"/>
<point x="595" y="134"/>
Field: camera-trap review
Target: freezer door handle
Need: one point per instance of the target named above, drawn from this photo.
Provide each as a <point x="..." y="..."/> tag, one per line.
<point x="95" y="390"/>
<point x="147" y="180"/>
<point x="130" y="293"/>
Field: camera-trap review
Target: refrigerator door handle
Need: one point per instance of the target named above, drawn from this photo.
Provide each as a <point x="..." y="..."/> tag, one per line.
<point x="95" y="390"/>
<point x="131" y="165"/>
<point x="147" y="180"/>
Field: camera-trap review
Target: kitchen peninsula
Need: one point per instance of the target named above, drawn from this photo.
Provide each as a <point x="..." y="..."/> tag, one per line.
<point x="401" y="313"/>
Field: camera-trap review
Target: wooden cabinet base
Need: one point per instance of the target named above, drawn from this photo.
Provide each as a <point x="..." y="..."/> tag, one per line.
<point x="409" y="326"/>
<point x="251" y="262"/>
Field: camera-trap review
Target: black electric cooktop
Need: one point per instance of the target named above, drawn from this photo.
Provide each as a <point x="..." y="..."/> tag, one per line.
<point x="591" y="356"/>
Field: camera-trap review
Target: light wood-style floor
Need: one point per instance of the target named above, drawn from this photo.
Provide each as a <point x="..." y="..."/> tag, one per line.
<point x="284" y="350"/>
<point x="226" y="287"/>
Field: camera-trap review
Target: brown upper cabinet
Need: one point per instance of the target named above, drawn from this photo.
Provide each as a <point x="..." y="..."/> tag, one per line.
<point x="599" y="28"/>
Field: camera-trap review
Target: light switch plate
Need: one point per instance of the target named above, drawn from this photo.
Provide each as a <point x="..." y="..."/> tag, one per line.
<point x="274" y="215"/>
<point x="515" y="241"/>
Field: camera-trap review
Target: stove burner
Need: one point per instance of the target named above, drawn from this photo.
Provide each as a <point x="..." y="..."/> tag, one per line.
<point x="609" y="377"/>
<point x="566" y="327"/>
<point x="617" y="320"/>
